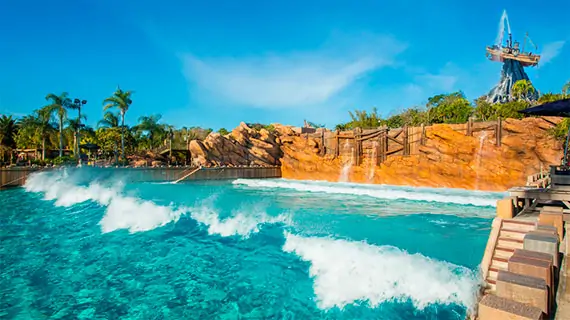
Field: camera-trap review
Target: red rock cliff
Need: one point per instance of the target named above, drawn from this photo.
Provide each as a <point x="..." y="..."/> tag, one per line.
<point x="447" y="159"/>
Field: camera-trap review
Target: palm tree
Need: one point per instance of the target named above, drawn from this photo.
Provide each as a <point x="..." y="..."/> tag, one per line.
<point x="39" y="124"/>
<point x="8" y="129"/>
<point x="76" y="105"/>
<point x="522" y="89"/>
<point x="110" y="120"/>
<point x="150" y="126"/>
<point x="120" y="100"/>
<point x="59" y="105"/>
<point x="74" y="125"/>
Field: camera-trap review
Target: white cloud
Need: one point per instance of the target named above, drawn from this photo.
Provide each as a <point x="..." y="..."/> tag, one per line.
<point x="551" y="51"/>
<point x="292" y="80"/>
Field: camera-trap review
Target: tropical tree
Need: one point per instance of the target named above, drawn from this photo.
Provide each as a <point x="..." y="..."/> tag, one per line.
<point x="110" y="120"/>
<point x="566" y="89"/>
<point x="148" y="126"/>
<point x="8" y="130"/>
<point x="122" y="101"/>
<point x="550" y="97"/>
<point x="365" y="120"/>
<point x="484" y="110"/>
<point x="73" y="128"/>
<point x="412" y="117"/>
<point x="76" y="105"/>
<point x="448" y="108"/>
<point x="36" y="129"/>
<point x="58" y="106"/>
<point x="522" y="89"/>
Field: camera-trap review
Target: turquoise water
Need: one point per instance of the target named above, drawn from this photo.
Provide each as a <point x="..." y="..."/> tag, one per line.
<point x="86" y="244"/>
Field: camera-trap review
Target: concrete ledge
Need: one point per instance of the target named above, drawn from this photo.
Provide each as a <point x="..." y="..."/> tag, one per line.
<point x="532" y="267"/>
<point x="492" y="307"/>
<point x="555" y="219"/>
<point x="523" y="289"/>
<point x="505" y="208"/>
<point x="541" y="228"/>
<point x="533" y="254"/>
<point x="542" y="242"/>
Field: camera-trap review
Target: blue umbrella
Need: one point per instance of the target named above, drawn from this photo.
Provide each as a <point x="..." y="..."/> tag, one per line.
<point x="559" y="108"/>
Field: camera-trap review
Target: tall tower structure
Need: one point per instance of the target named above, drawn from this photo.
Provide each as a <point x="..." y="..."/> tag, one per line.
<point x="514" y="59"/>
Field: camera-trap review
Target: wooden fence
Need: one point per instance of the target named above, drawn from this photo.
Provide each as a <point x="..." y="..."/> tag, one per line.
<point x="384" y="142"/>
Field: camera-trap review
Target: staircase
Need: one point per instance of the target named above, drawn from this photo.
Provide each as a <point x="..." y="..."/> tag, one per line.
<point x="509" y="237"/>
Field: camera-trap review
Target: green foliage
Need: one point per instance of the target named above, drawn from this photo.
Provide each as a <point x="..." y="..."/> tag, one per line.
<point x="510" y="109"/>
<point x="449" y="108"/>
<point x="8" y="130"/>
<point x="314" y="125"/>
<point x="223" y="131"/>
<point x="522" y="89"/>
<point x="64" y="160"/>
<point x="550" y="97"/>
<point x="561" y="129"/>
<point x="566" y="90"/>
<point x="363" y="119"/>
<point x="109" y="139"/>
<point x="259" y="126"/>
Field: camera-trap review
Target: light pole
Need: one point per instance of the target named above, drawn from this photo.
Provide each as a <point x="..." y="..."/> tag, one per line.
<point x="78" y="103"/>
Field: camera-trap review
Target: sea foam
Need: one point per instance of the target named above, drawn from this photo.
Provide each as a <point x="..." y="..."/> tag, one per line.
<point x="135" y="214"/>
<point x="461" y="197"/>
<point x="347" y="272"/>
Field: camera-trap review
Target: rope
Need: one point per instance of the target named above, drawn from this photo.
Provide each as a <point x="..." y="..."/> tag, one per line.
<point x="8" y="183"/>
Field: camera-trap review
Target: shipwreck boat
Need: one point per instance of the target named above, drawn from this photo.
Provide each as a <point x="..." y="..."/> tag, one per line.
<point x="513" y="52"/>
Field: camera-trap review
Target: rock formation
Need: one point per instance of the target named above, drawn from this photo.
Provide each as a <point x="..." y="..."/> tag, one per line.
<point x="447" y="159"/>
<point x="512" y="72"/>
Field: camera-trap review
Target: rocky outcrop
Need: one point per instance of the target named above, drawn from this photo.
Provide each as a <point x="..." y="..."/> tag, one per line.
<point x="243" y="146"/>
<point x="512" y="72"/>
<point x="447" y="159"/>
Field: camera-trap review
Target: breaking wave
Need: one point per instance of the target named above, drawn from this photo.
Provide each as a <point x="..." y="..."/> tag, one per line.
<point x="135" y="214"/>
<point x="454" y="196"/>
<point x="347" y="272"/>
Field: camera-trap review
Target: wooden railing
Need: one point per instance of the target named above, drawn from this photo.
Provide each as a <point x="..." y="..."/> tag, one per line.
<point x="490" y="248"/>
<point x="539" y="180"/>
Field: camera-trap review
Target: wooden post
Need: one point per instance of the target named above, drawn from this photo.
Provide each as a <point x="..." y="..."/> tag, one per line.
<point x="379" y="150"/>
<point x="405" y="141"/>
<point x="357" y="146"/>
<point x="385" y="144"/>
<point x="499" y="131"/>
<point x="469" y="126"/>
<point x="423" y="135"/>
<point x="337" y="149"/>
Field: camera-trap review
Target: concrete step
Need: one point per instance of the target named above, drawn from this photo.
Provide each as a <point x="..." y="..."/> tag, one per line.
<point x="512" y="234"/>
<point x="504" y="253"/>
<point x="499" y="264"/>
<point x="510" y="243"/>
<point x="519" y="225"/>
<point x="492" y="307"/>
<point x="493" y="273"/>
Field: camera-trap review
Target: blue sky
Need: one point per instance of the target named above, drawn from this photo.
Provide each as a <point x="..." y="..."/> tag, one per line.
<point x="214" y="64"/>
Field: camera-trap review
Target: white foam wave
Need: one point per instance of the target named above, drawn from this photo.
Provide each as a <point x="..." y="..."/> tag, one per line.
<point x="243" y="221"/>
<point x="381" y="192"/>
<point x="347" y="272"/>
<point x="135" y="214"/>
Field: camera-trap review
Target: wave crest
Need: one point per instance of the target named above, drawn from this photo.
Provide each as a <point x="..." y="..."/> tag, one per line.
<point x="462" y="197"/>
<point x="346" y="272"/>
<point x="136" y="214"/>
